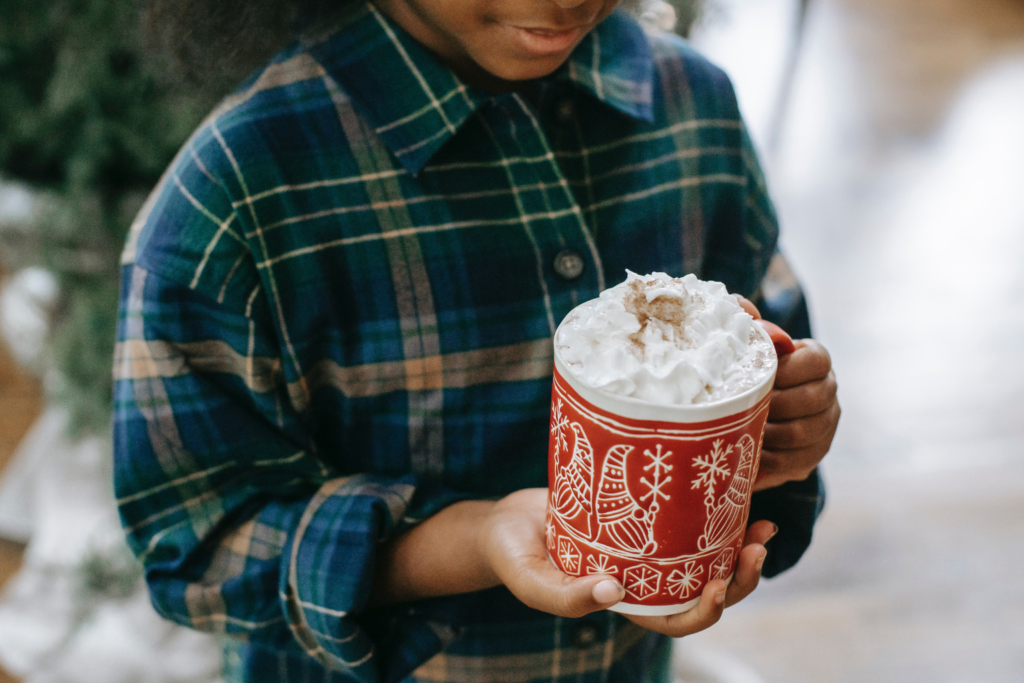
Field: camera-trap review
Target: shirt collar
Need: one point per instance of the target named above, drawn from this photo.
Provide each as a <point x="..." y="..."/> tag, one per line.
<point x="615" y="64"/>
<point x="415" y="103"/>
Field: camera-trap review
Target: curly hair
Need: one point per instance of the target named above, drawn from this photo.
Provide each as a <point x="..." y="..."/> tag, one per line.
<point x="216" y="43"/>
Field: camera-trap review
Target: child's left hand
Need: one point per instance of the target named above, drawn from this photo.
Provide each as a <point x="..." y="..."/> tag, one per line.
<point x="803" y="414"/>
<point x="802" y="417"/>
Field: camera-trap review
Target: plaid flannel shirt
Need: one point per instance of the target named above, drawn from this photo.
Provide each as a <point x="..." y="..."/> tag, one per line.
<point x="336" y="319"/>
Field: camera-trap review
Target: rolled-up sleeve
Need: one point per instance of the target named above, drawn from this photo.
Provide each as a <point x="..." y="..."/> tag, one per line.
<point x="242" y="529"/>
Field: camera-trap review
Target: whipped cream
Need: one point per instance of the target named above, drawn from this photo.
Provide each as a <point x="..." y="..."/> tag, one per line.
<point x="665" y="340"/>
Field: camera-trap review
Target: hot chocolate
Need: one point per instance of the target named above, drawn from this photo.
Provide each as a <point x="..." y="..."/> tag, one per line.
<point x="664" y="340"/>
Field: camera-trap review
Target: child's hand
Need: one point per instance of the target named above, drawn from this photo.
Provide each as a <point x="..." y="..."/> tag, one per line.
<point x="474" y="545"/>
<point x="477" y="544"/>
<point x="512" y="541"/>
<point x="803" y="414"/>
<point x="716" y="596"/>
<point x="802" y="418"/>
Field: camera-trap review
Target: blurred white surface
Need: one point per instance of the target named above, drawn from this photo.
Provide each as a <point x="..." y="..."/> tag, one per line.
<point x="751" y="40"/>
<point x="16" y="205"/>
<point x="694" y="662"/>
<point x="910" y="579"/>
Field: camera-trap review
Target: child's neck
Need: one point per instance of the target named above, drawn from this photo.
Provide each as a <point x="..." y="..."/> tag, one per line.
<point x="472" y="74"/>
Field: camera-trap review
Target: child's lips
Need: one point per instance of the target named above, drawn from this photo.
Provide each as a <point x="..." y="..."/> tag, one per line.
<point x="547" y="41"/>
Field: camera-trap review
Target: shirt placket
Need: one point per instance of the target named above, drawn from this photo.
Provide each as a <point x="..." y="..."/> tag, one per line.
<point x="568" y="265"/>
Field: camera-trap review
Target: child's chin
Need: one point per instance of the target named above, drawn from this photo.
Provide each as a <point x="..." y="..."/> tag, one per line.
<point x="525" y="70"/>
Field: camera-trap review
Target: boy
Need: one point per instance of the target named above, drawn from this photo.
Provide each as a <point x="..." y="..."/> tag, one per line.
<point x="334" y="359"/>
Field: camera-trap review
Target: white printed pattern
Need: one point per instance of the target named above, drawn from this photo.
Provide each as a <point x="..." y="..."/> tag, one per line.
<point x="683" y="583"/>
<point x="712" y="469"/>
<point x="643" y="581"/>
<point x="601" y="564"/>
<point x="569" y="554"/>
<point x="722" y="566"/>
<point x="658" y="466"/>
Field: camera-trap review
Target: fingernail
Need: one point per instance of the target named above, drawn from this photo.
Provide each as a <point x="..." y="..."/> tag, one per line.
<point x="775" y="530"/>
<point x="608" y="591"/>
<point x="720" y="597"/>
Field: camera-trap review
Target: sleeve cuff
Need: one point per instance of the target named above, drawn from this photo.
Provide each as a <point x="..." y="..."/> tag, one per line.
<point x="328" y="573"/>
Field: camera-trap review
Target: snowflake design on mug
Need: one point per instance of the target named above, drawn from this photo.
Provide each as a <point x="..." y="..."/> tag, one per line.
<point x="657" y="467"/>
<point x="600" y="564"/>
<point x="569" y="554"/>
<point x="559" y="423"/>
<point x="683" y="583"/>
<point x="641" y="581"/>
<point x="722" y="566"/>
<point x="713" y="470"/>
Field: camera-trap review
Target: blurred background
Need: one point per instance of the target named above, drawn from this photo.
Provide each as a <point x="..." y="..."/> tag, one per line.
<point x="894" y="144"/>
<point x="892" y="132"/>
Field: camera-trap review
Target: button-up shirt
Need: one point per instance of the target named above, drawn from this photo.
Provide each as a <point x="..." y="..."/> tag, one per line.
<point x="336" y="319"/>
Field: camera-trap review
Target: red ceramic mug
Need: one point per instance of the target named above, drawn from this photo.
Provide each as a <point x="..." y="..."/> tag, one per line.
<point x="654" y="495"/>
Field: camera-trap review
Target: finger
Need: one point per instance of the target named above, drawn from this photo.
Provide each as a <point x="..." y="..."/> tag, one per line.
<point x="770" y="481"/>
<point x="541" y="585"/>
<point x="798" y="462"/>
<point x="801" y="433"/>
<point x="808" y="363"/>
<point x="779" y="467"/>
<point x="802" y="400"/>
<point x="749" y="307"/>
<point x="760" y="532"/>
<point x="704" y="615"/>
<point x="748" y="573"/>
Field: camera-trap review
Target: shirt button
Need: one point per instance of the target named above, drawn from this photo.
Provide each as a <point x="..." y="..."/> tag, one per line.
<point x="569" y="264"/>
<point x="584" y="636"/>
<point x="565" y="110"/>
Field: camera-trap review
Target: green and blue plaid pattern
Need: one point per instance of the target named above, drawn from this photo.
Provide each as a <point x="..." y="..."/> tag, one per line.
<point x="337" y="313"/>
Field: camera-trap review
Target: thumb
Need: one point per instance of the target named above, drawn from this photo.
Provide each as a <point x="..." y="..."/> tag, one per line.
<point x="539" y="584"/>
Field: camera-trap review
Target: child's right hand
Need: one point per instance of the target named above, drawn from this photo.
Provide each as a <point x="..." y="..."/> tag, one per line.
<point x="474" y="545"/>
<point x="512" y="541"/>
